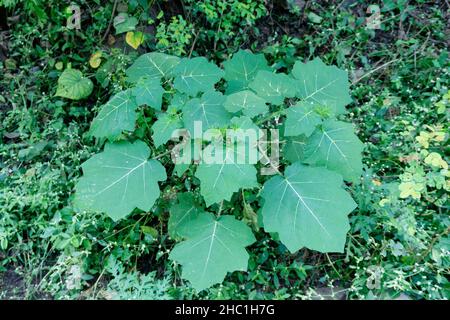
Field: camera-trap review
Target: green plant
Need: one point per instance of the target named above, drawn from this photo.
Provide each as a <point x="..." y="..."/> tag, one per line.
<point x="174" y="37"/>
<point x="307" y="206"/>
<point x="133" y="285"/>
<point x="223" y="25"/>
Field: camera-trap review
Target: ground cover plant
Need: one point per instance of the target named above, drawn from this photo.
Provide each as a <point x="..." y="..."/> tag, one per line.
<point x="94" y="206"/>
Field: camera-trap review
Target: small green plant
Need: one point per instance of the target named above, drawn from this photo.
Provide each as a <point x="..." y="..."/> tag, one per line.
<point x="307" y="205"/>
<point x="133" y="285"/>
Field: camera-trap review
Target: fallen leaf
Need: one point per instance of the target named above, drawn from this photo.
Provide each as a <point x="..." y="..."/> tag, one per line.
<point x="95" y="60"/>
<point x="134" y="39"/>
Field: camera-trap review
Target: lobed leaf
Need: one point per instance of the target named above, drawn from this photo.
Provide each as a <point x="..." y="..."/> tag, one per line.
<point x="242" y="68"/>
<point x="120" y="179"/>
<point x="208" y="110"/>
<point x="149" y="92"/>
<point x="117" y="115"/>
<point x="218" y="181"/>
<point x="196" y="75"/>
<point x="322" y="84"/>
<point x="182" y="216"/>
<point x="246" y="101"/>
<point x="336" y="147"/>
<point x="164" y="127"/>
<point x="218" y="248"/>
<point x="273" y="87"/>
<point x="307" y="208"/>
<point x="153" y="65"/>
<point x="301" y="119"/>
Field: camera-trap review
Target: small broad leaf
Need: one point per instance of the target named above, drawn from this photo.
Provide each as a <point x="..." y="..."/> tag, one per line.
<point x="218" y="248"/>
<point x="242" y="68"/>
<point x="134" y="39"/>
<point x="153" y="65"/>
<point x="148" y="92"/>
<point x="322" y="84"/>
<point x="218" y="181"/>
<point x="182" y="214"/>
<point x="336" y="147"/>
<point x="208" y="110"/>
<point x="164" y="127"/>
<point x="273" y="87"/>
<point x="250" y="104"/>
<point x="196" y="75"/>
<point x="116" y="116"/>
<point x="307" y="208"/>
<point x="120" y="179"/>
<point x="301" y="119"/>
<point x="73" y="85"/>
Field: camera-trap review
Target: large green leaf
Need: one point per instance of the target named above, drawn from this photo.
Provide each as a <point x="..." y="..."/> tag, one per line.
<point x="307" y="208"/>
<point x="322" y="84"/>
<point x="218" y="248"/>
<point x="218" y="181"/>
<point x="120" y="179"/>
<point x="273" y="87"/>
<point x="196" y="75"/>
<point x="294" y="148"/>
<point x="164" y="127"/>
<point x="73" y="85"/>
<point x="153" y="65"/>
<point x="336" y="147"/>
<point x="182" y="216"/>
<point x="250" y="104"/>
<point x="116" y="116"/>
<point x="242" y="68"/>
<point x="208" y="110"/>
<point x="301" y="119"/>
<point x="123" y="22"/>
<point x="149" y="92"/>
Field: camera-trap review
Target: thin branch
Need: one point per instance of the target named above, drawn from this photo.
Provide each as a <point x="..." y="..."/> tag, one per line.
<point x="110" y="21"/>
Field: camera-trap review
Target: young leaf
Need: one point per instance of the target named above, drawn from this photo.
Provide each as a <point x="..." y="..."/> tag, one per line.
<point x="208" y="110"/>
<point x="196" y="75"/>
<point x="73" y="85"/>
<point x="149" y="92"/>
<point x="322" y="84"/>
<point x="218" y="248"/>
<point x="307" y="208"/>
<point x="336" y="147"/>
<point x="182" y="216"/>
<point x="242" y="68"/>
<point x="153" y="65"/>
<point x="273" y="87"/>
<point x="120" y="179"/>
<point x="116" y="116"/>
<point x="218" y="181"/>
<point x="164" y="127"/>
<point x="301" y="119"/>
<point x="250" y="104"/>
